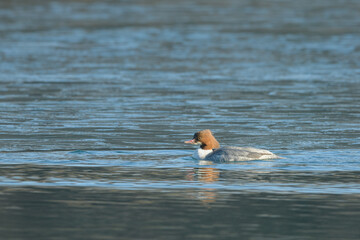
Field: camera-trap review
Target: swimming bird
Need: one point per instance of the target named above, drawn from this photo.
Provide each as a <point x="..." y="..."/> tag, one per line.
<point x="210" y="150"/>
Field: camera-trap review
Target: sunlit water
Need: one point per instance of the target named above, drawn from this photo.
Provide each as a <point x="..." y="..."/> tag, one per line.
<point x="97" y="97"/>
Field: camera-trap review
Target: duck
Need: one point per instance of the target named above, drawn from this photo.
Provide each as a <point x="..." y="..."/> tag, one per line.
<point x="210" y="150"/>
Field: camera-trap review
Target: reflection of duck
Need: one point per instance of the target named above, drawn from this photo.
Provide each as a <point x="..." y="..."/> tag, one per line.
<point x="210" y="150"/>
<point x="205" y="175"/>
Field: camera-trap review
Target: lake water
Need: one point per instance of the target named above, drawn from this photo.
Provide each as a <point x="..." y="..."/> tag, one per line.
<point x="97" y="97"/>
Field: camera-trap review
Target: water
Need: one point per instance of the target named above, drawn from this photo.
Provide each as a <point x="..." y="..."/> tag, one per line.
<point x="97" y="97"/>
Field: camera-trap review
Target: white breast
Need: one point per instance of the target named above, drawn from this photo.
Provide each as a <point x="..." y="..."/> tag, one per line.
<point x="201" y="153"/>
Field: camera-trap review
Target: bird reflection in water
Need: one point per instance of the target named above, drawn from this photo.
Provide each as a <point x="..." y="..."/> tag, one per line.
<point x="205" y="175"/>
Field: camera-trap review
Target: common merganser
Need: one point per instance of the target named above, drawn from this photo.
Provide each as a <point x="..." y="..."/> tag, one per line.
<point x="210" y="150"/>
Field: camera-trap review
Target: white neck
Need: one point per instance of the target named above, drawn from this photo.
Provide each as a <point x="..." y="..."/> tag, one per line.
<point x="201" y="153"/>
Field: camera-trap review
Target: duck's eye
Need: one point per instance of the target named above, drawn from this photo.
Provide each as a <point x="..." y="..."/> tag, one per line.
<point x="199" y="138"/>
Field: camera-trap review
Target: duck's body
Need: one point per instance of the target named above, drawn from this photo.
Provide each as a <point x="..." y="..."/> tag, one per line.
<point x="210" y="150"/>
<point x="233" y="154"/>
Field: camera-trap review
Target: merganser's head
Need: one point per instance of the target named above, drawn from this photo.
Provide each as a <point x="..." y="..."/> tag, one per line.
<point x="206" y="139"/>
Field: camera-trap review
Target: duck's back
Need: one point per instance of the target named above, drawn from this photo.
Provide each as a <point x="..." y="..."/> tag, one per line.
<point x="231" y="154"/>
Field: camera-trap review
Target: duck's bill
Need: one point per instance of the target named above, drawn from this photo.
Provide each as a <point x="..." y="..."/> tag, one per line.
<point x="192" y="141"/>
